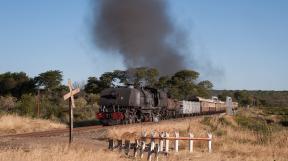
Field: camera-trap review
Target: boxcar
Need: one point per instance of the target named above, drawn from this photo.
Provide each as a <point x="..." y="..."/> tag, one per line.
<point x="189" y="107"/>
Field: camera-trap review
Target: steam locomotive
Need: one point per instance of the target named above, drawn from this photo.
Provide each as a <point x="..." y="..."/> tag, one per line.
<point x="126" y="105"/>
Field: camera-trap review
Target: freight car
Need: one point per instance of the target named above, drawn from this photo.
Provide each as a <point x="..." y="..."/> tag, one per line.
<point x="123" y="105"/>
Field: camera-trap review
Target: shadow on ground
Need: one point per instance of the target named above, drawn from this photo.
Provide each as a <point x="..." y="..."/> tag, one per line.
<point x="86" y="123"/>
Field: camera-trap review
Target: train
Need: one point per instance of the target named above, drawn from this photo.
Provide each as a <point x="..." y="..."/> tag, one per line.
<point x="127" y="105"/>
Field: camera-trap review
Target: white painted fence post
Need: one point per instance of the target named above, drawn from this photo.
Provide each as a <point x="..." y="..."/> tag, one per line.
<point x="191" y="136"/>
<point x="161" y="142"/>
<point x="176" y="141"/>
<point x="167" y="142"/>
<point x="157" y="150"/>
<point x="136" y="147"/>
<point x="210" y="142"/>
<point x="152" y="146"/>
<point x="143" y="144"/>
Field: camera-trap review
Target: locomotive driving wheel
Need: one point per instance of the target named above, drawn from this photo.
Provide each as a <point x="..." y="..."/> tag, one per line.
<point x="130" y="117"/>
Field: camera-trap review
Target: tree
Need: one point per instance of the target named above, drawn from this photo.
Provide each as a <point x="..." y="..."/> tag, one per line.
<point x="186" y="75"/>
<point x="142" y="76"/>
<point x="243" y="98"/>
<point x="120" y="77"/>
<point x="182" y="84"/>
<point x="223" y="95"/>
<point x="93" y="85"/>
<point x="204" y="88"/>
<point x="163" y="83"/>
<point x="107" y="79"/>
<point x="50" y="79"/>
<point x="206" y="84"/>
<point x="16" y="84"/>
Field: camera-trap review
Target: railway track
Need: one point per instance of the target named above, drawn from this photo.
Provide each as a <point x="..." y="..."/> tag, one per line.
<point x="52" y="132"/>
<point x="87" y="128"/>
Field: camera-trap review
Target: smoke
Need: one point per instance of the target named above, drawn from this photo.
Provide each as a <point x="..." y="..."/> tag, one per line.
<point x="141" y="31"/>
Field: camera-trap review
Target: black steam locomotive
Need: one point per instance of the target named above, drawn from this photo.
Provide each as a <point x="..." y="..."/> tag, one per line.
<point x="130" y="105"/>
<point x="125" y="105"/>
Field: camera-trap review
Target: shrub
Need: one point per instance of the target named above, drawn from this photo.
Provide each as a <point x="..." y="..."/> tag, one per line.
<point x="50" y="110"/>
<point x="26" y="105"/>
<point x="80" y="102"/>
<point x="7" y="103"/>
<point x="223" y="121"/>
<point x="257" y="125"/>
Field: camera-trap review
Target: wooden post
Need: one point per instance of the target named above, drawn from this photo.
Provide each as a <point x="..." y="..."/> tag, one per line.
<point x="176" y="141"/>
<point x="191" y="136"/>
<point x="161" y="142"/>
<point x="70" y="95"/>
<point x="143" y="144"/>
<point x="167" y="143"/>
<point x="210" y="142"/>
<point x="70" y="121"/>
<point x="110" y="144"/>
<point x="152" y="146"/>
<point x="127" y="147"/>
<point x="119" y="145"/>
<point x="38" y="103"/>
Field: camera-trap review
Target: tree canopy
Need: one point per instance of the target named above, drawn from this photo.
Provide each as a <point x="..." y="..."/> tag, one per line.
<point x="50" y="80"/>
<point x="15" y="84"/>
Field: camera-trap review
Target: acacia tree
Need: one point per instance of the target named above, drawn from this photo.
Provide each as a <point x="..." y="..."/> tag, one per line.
<point x="182" y="84"/>
<point x="142" y="76"/>
<point x="204" y="88"/>
<point x="50" y="80"/>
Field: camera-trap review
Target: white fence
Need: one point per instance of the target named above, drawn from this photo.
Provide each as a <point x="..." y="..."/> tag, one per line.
<point x="159" y="144"/>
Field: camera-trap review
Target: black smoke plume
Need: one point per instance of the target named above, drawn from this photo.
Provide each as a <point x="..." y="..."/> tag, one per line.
<point x="141" y="31"/>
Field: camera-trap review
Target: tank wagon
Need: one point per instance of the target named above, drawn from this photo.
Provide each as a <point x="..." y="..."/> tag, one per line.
<point x="123" y="105"/>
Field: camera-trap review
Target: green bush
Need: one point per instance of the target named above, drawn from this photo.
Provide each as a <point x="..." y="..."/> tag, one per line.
<point x="257" y="125"/>
<point x="223" y="121"/>
<point x="26" y="105"/>
<point x="282" y="112"/>
<point x="80" y="102"/>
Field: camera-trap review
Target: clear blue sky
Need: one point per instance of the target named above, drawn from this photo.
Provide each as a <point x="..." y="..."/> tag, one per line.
<point x="247" y="41"/>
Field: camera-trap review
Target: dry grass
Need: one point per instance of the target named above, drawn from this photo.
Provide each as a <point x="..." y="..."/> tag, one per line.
<point x="13" y="124"/>
<point x="230" y="142"/>
<point x="58" y="152"/>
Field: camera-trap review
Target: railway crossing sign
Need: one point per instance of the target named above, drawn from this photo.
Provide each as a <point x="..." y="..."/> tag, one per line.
<point x="70" y="96"/>
<point x="71" y="93"/>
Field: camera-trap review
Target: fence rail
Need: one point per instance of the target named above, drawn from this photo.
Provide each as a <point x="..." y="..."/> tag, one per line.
<point x="158" y="144"/>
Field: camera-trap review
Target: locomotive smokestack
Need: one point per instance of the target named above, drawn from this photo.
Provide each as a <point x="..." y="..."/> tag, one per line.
<point x="141" y="31"/>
